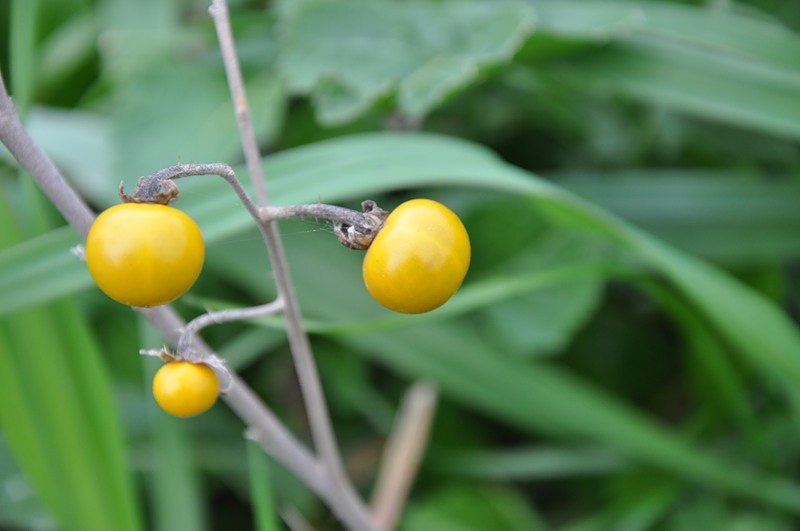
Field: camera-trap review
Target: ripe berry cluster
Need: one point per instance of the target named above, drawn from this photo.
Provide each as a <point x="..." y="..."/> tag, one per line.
<point x="146" y="254"/>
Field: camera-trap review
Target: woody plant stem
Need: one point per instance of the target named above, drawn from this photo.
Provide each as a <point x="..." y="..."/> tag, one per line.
<point x="263" y="425"/>
<point x="357" y="516"/>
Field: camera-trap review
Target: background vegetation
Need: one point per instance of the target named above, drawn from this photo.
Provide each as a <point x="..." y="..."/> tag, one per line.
<point x="622" y="355"/>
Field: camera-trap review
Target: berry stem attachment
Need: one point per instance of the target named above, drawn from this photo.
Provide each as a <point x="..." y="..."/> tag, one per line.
<point x="355" y="230"/>
<point x="159" y="188"/>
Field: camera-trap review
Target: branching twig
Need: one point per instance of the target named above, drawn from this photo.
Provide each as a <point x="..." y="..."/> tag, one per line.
<point x="356" y="517"/>
<point x="326" y="475"/>
<point x="252" y="155"/>
<point x="190" y="331"/>
<point x="269" y="431"/>
<point x="15" y="137"/>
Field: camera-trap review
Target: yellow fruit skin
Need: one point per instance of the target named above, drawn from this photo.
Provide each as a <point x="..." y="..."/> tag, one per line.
<point x="144" y="254"/>
<point x="419" y="258"/>
<point x="185" y="389"/>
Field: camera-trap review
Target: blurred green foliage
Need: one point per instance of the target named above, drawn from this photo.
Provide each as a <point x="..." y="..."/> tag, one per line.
<point x="622" y="355"/>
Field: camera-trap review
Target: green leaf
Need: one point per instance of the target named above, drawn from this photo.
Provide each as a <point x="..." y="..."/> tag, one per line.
<point x="57" y="412"/>
<point x="349" y="53"/>
<point x="730" y="218"/>
<point x="23" y="51"/>
<point x="541" y="398"/>
<point x="543" y="320"/>
<point x="344" y="168"/>
<point x="721" y="66"/>
<point x="79" y="143"/>
<point x="261" y="495"/>
<point x="40" y="270"/>
<point x="56" y="409"/>
<point x="461" y="508"/>
<point x="735" y="33"/>
<point x="528" y="463"/>
<point x="640" y="510"/>
<point x="468" y="370"/>
<point x="20" y="507"/>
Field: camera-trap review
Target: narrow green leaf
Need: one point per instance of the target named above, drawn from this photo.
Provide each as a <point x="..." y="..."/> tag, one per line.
<point x="730" y="31"/>
<point x="723" y="66"/>
<point x="80" y="145"/>
<point x="40" y="270"/>
<point x="462" y="508"/>
<point x="528" y="463"/>
<point x="640" y="511"/>
<point x="57" y="416"/>
<point x="726" y="89"/>
<point x="725" y="217"/>
<point x="20" y="506"/>
<point x="22" y="27"/>
<point x="541" y="398"/>
<point x="261" y="496"/>
<point x="57" y="412"/>
<point x="344" y="168"/>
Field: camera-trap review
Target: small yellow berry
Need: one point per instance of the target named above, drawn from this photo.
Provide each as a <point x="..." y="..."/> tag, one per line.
<point x="185" y="389"/>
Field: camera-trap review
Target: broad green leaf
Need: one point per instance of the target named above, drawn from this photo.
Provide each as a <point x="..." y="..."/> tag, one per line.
<point x="349" y="53"/>
<point x="66" y="50"/>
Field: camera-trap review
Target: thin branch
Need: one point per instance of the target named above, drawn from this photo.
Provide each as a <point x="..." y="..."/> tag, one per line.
<point x="270" y="432"/>
<point x="16" y="138"/>
<point x="355" y="230"/>
<point x="151" y="185"/>
<point x="252" y="155"/>
<point x="333" y="213"/>
<point x="190" y="331"/>
<point x="403" y="454"/>
<point x="357" y="517"/>
<point x="294" y="520"/>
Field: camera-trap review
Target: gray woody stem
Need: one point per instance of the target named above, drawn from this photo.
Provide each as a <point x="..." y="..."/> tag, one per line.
<point x="357" y="516"/>
<point x="268" y="430"/>
<point x="190" y="331"/>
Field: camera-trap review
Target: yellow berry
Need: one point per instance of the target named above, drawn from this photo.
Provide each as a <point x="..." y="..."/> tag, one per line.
<point x="185" y="389"/>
